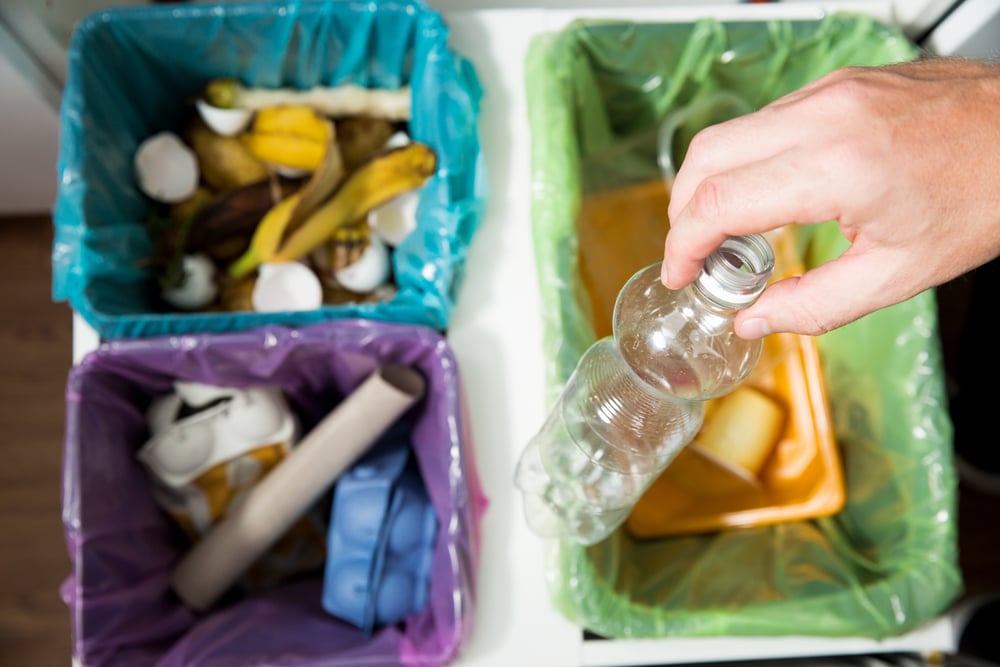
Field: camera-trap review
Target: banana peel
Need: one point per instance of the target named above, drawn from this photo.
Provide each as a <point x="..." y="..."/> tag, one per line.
<point x="377" y="181"/>
<point x="295" y="137"/>
<point x="321" y="184"/>
<point x="291" y="211"/>
<point x="266" y="237"/>
<point x="222" y="229"/>
<point x="300" y="121"/>
<point x="360" y="137"/>
<point x="285" y="150"/>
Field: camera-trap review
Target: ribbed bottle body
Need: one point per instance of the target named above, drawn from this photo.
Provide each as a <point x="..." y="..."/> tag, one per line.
<point x="680" y="341"/>
<point x="637" y="398"/>
<point x="604" y="442"/>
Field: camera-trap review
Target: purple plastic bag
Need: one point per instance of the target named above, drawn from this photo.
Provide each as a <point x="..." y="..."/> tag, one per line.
<point x="122" y="546"/>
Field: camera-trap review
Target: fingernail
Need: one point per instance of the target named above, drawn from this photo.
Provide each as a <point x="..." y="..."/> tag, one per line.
<point x="754" y="328"/>
<point x="663" y="275"/>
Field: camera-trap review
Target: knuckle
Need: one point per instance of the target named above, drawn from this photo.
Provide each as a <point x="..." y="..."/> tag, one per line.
<point x="812" y="323"/>
<point x="849" y="94"/>
<point x="709" y="201"/>
<point x="701" y="144"/>
<point x="846" y="73"/>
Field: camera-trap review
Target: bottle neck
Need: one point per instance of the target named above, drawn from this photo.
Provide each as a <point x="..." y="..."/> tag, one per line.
<point x="682" y="342"/>
<point x="734" y="275"/>
<point x="705" y="302"/>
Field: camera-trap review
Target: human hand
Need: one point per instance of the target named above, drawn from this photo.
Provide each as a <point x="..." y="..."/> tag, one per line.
<point x="906" y="159"/>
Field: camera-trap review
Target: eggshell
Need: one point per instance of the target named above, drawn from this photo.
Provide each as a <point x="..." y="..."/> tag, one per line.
<point x="394" y="220"/>
<point x="226" y="122"/>
<point x="165" y="168"/>
<point x="182" y="451"/>
<point x="370" y="271"/>
<point x="286" y="286"/>
<point x="198" y="288"/>
<point x="397" y="140"/>
<point x="290" y="172"/>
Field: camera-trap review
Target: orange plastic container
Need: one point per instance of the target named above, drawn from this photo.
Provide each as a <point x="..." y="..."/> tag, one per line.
<point x="801" y="478"/>
<point x="621" y="231"/>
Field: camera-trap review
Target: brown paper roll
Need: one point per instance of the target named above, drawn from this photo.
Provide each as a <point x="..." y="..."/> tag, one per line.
<point x="232" y="545"/>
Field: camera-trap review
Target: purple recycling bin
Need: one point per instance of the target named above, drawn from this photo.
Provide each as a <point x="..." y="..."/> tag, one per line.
<point x="123" y="546"/>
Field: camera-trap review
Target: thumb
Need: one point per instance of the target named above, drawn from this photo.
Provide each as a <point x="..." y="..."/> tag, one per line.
<point x="823" y="298"/>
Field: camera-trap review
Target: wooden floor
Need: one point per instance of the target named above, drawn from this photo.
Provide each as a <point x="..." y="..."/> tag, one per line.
<point x="35" y="343"/>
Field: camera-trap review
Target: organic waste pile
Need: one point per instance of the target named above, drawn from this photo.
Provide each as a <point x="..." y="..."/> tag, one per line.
<point x="282" y="199"/>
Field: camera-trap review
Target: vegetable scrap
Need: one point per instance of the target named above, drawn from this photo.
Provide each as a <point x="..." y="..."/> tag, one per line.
<point x="327" y="179"/>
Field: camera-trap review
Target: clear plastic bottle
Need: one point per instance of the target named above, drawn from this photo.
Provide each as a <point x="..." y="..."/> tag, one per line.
<point x="637" y="398"/>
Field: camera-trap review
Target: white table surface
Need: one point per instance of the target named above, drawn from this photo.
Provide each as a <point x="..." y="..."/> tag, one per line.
<point x="498" y="343"/>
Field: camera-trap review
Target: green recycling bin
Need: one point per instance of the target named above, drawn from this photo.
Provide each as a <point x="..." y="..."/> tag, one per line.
<point x="887" y="562"/>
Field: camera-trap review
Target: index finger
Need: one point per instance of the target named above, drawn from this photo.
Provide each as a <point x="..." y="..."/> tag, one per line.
<point x="730" y="144"/>
<point x="753" y="198"/>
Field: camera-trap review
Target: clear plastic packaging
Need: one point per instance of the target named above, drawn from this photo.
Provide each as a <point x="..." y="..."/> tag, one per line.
<point x="637" y="398"/>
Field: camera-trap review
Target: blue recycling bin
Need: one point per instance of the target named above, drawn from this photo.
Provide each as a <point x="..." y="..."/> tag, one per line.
<point x="131" y="72"/>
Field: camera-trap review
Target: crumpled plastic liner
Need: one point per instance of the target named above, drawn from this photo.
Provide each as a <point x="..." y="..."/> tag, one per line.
<point x="130" y="72"/>
<point x="887" y="563"/>
<point x="123" y="547"/>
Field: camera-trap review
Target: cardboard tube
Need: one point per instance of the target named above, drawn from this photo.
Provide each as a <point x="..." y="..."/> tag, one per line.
<point x="281" y="498"/>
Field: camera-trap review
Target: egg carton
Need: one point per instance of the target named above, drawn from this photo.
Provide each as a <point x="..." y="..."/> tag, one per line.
<point x="380" y="539"/>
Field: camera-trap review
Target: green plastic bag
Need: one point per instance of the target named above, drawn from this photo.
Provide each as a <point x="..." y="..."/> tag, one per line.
<point x="887" y="562"/>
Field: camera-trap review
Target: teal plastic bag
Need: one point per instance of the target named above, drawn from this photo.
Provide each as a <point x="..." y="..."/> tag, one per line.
<point x="885" y="564"/>
<point x="131" y="70"/>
